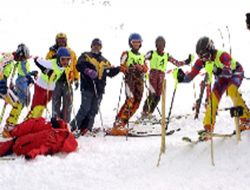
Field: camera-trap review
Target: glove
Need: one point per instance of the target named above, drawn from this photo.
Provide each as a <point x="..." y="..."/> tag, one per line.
<point x="54" y="122"/>
<point x="236" y="111"/>
<point x="189" y="59"/>
<point x="180" y="75"/>
<point x="34" y="73"/>
<point x="123" y="69"/>
<point x="35" y="58"/>
<point x="3" y="87"/>
<point x="217" y="71"/>
<point x="11" y="86"/>
<point x="30" y="80"/>
<point x="76" y="83"/>
<point x="91" y="73"/>
<point x="139" y="67"/>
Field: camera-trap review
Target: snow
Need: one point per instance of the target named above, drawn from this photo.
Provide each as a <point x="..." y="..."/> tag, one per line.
<point x="117" y="162"/>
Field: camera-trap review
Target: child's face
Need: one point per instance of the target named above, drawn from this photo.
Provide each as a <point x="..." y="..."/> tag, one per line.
<point x="96" y="48"/>
<point x="65" y="61"/>
<point x="136" y="44"/>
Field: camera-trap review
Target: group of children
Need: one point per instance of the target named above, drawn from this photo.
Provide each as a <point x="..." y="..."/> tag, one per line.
<point x="62" y="69"/>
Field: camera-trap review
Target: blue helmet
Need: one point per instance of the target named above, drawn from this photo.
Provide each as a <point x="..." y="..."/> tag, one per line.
<point x="62" y="52"/>
<point x="134" y="36"/>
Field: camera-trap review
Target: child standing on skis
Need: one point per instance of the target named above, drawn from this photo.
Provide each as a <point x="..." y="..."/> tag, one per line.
<point x="158" y="60"/>
<point x="21" y="87"/>
<point x="45" y="84"/>
<point x="94" y="69"/>
<point x="134" y="68"/>
<point x="228" y="75"/>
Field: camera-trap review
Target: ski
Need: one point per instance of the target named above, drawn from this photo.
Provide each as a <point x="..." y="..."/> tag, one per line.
<point x="191" y="141"/>
<point x="156" y="121"/>
<point x="147" y="134"/>
<point x="77" y="133"/>
<point x="204" y="134"/>
<point x="6" y="158"/>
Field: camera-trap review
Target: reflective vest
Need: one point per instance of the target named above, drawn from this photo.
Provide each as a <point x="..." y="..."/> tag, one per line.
<point x="209" y="65"/>
<point x="55" y="75"/>
<point x="134" y="59"/>
<point x="159" y="62"/>
<point x="20" y="68"/>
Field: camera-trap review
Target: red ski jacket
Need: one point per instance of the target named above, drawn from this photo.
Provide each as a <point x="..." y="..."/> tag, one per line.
<point x="38" y="137"/>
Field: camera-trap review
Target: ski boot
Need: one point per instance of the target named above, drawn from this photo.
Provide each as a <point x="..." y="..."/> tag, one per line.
<point x="7" y="129"/>
<point x="206" y="133"/>
<point x="118" y="129"/>
<point x="244" y="124"/>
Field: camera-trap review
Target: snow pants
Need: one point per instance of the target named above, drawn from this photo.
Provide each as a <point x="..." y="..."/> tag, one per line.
<point x="40" y="100"/>
<point x="156" y="79"/>
<point x="62" y="101"/>
<point x="23" y="92"/>
<point x="220" y="86"/>
<point x="89" y="107"/>
<point x="134" y="84"/>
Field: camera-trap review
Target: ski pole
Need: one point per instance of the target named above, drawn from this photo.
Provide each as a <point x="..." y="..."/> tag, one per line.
<point x="163" y="123"/>
<point x="222" y="38"/>
<point x="229" y="40"/>
<point x="199" y="100"/>
<point x="119" y="100"/>
<point x="173" y="96"/>
<point x="100" y="113"/>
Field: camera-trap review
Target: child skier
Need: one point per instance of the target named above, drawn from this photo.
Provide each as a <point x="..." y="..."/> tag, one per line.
<point x="134" y="68"/>
<point x="62" y="98"/>
<point x="45" y="84"/>
<point x="94" y="69"/>
<point x="228" y="77"/>
<point x="158" y="60"/>
<point x="21" y="87"/>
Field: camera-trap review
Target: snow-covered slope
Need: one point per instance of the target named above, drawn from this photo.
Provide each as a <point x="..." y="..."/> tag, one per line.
<point x="114" y="162"/>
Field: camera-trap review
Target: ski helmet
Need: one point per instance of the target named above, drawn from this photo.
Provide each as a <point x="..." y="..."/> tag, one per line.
<point x="63" y="52"/>
<point x="204" y="47"/>
<point x="22" y="51"/>
<point x="96" y="41"/>
<point x="61" y="39"/>
<point x="135" y="37"/>
<point x="160" y="41"/>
